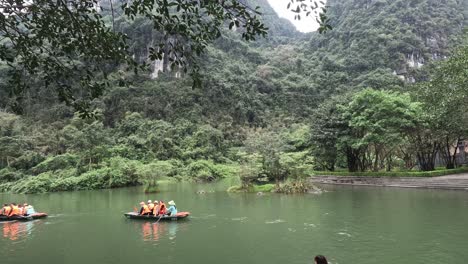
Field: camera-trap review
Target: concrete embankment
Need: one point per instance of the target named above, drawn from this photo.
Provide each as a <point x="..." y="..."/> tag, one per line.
<point x="448" y="182"/>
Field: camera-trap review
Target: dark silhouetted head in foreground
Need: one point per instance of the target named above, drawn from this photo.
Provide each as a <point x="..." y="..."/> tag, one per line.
<point x="319" y="259"/>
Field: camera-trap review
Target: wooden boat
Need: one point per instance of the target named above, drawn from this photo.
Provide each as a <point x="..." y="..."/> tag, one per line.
<point x="23" y="218"/>
<point x="178" y="216"/>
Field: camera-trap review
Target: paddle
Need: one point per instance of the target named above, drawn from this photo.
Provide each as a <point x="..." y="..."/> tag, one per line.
<point x="159" y="218"/>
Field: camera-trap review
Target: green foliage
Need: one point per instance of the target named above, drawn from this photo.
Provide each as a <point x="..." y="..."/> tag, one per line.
<point x="252" y="189"/>
<point x="119" y="172"/>
<point x="294" y="186"/>
<point x="38" y="184"/>
<point x="27" y="160"/>
<point x="56" y="163"/>
<point x="326" y="128"/>
<point x="266" y="111"/>
<point x="10" y="175"/>
<point x="378" y="121"/>
<point x="203" y="170"/>
<point x="67" y="45"/>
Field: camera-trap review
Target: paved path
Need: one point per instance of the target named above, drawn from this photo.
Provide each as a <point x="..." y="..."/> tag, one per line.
<point x="449" y="182"/>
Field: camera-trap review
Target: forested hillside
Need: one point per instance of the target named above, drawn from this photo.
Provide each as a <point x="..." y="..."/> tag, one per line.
<point x="271" y="109"/>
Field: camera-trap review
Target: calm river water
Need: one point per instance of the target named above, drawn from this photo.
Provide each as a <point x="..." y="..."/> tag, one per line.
<point x="348" y="225"/>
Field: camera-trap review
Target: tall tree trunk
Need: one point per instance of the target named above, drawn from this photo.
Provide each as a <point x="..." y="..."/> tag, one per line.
<point x="449" y="158"/>
<point x="352" y="160"/>
<point x="426" y="157"/>
<point x="376" y="161"/>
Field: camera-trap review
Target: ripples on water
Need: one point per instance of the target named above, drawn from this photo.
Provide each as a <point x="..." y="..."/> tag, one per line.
<point x="277" y="221"/>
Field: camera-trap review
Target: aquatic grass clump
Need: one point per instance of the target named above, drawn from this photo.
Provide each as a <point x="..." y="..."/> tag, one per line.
<point x="296" y="186"/>
<point x="251" y="188"/>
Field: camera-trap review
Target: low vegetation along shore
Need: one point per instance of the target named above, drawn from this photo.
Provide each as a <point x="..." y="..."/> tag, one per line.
<point x="434" y="173"/>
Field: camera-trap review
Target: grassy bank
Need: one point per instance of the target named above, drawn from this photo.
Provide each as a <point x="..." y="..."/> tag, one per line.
<point x="438" y="172"/>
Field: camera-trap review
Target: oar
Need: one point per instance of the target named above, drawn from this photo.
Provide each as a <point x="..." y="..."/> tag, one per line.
<point x="159" y="218"/>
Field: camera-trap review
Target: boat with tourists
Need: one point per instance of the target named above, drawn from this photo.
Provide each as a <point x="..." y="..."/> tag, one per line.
<point x="19" y="212"/>
<point x="30" y="217"/>
<point x="157" y="210"/>
<point x="178" y="216"/>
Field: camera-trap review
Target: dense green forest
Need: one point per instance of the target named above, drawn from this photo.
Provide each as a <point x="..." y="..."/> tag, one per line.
<point x="385" y="89"/>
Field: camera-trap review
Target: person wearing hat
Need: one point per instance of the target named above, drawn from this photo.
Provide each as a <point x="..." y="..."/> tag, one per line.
<point x="150" y="206"/>
<point x="172" y="210"/>
<point x="144" y="210"/>
<point x="28" y="209"/>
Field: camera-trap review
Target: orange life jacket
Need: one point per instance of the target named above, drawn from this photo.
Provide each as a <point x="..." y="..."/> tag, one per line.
<point x="151" y="207"/>
<point x="15" y="211"/>
<point x="6" y="210"/>
<point x="145" y="209"/>
<point x="162" y="208"/>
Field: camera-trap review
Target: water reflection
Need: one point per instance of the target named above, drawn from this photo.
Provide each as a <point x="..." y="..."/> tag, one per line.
<point x="160" y="231"/>
<point x="17" y="230"/>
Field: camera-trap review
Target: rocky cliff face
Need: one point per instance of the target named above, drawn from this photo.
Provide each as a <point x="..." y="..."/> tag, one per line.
<point x="400" y="35"/>
<point x="144" y="36"/>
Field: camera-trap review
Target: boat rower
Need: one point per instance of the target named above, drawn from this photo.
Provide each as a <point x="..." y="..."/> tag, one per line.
<point x="172" y="210"/>
<point x="156" y="208"/>
<point x="162" y="208"/>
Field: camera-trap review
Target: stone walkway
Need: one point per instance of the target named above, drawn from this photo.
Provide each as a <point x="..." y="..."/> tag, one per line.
<point x="449" y="182"/>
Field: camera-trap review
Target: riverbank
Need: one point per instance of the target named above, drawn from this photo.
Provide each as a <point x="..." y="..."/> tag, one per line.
<point x="447" y="182"/>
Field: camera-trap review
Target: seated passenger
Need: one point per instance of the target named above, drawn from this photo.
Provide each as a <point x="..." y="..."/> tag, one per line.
<point x="28" y="209"/>
<point x="172" y="210"/>
<point x="6" y="209"/>
<point x="150" y="206"/>
<point x="162" y="208"/>
<point x="156" y="208"/>
<point x="15" y="211"/>
<point x="144" y="210"/>
<point x="21" y="209"/>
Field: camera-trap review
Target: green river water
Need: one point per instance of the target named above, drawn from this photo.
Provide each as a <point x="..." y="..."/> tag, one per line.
<point x="346" y="224"/>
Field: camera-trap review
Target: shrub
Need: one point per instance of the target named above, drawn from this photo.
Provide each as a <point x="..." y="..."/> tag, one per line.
<point x="203" y="170"/>
<point x="28" y="160"/>
<point x="123" y="172"/>
<point x="252" y="188"/>
<point x="10" y="175"/>
<point x="34" y="184"/>
<point x="63" y="161"/>
<point x="294" y="186"/>
<point x="227" y="170"/>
